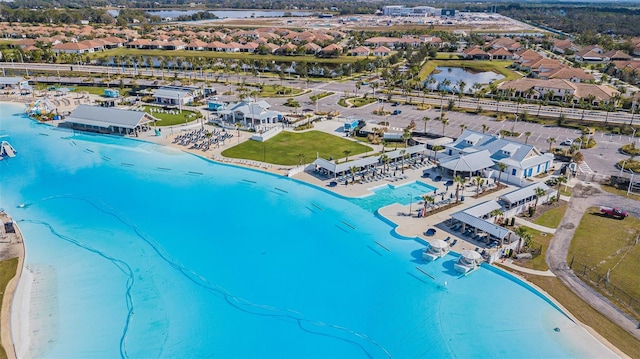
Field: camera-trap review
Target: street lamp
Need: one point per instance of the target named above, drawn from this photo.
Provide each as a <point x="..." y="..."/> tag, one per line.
<point x="622" y="168"/>
<point x="633" y="136"/>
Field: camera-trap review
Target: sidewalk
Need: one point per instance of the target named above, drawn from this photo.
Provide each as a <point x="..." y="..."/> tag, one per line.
<point x="524" y="222"/>
<point x="509" y="263"/>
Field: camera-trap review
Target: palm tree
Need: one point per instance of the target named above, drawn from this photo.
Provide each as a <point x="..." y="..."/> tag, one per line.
<point x="560" y="180"/>
<point x="485" y="128"/>
<point x="462" y="128"/>
<point x="551" y="141"/>
<point x="426" y="119"/>
<point x="526" y="137"/>
<point x="461" y="86"/>
<point x="539" y="193"/>
<point x="346" y="153"/>
<point x="496" y="213"/>
<point x="478" y="181"/>
<point x="501" y="168"/>
<point x="384" y="160"/>
<point x="406" y="135"/>
<point x="435" y="149"/>
<point x="459" y="181"/>
<point x="442" y="88"/>
<point x="444" y="122"/>
<point x="402" y="153"/>
<point x="427" y="200"/>
<point x="353" y="170"/>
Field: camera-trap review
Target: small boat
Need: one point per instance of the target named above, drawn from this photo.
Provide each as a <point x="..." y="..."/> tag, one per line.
<point x="436" y="250"/>
<point x="468" y="262"/>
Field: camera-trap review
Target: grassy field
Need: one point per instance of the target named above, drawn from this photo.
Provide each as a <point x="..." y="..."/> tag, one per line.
<point x="224" y="55"/>
<point x="285" y="148"/>
<point x="7" y="271"/>
<point x="499" y="67"/>
<point x="170" y="119"/>
<point x="552" y="217"/>
<point x="538" y="239"/>
<point x="586" y="314"/>
<point x="603" y="244"/>
<point x="95" y="90"/>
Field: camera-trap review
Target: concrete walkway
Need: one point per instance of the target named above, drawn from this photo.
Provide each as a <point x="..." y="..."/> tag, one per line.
<point x="509" y="263"/>
<point x="524" y="222"/>
<point x="585" y="196"/>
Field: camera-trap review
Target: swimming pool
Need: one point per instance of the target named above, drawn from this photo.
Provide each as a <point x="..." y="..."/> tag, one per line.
<point x="388" y="194"/>
<point x="139" y="250"/>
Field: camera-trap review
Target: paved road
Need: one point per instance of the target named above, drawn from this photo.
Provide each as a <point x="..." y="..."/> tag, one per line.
<point x="583" y="198"/>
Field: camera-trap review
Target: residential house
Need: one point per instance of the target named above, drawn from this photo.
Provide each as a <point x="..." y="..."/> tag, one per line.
<point x="72" y="48"/>
<point x="333" y="50"/>
<point x="559" y="89"/>
<point x="381" y="51"/>
<point x="475" y="53"/>
<point x="564" y="46"/>
<point x="360" y="51"/>
<point x="617" y="55"/>
<point x="591" y="54"/>
<point x="572" y="74"/>
<point x="312" y="48"/>
<point x="196" y="45"/>
<point x="500" y="53"/>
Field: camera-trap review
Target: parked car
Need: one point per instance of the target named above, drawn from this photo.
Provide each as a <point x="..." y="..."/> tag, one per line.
<point x="396" y="104"/>
<point x="396" y="112"/>
<point x="567" y="142"/>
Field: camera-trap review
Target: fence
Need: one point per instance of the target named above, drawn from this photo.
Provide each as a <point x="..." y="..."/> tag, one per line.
<point x="603" y="285"/>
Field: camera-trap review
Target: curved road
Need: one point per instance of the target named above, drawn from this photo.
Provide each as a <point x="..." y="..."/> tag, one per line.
<point x="584" y="197"/>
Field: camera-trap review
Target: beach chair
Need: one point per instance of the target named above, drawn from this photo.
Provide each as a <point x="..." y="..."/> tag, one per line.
<point x="454" y="242"/>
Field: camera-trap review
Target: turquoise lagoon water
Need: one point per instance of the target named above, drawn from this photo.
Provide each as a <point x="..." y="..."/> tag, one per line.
<point x="158" y="253"/>
<point x="387" y="194"/>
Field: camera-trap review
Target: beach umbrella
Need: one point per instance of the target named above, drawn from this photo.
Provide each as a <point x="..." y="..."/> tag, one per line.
<point x="471" y="256"/>
<point x="439" y="244"/>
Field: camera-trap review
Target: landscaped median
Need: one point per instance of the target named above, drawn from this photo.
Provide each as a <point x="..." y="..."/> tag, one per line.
<point x="289" y="148"/>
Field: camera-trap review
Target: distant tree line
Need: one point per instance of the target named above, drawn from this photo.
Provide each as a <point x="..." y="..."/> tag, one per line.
<point x="574" y="19"/>
<point x="200" y="15"/>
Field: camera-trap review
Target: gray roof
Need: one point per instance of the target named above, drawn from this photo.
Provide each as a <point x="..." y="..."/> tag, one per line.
<point x="11" y="80"/>
<point x="106" y="117"/>
<point x="523" y="193"/>
<point x="483" y="208"/>
<point x="407" y="151"/>
<point x="469" y="162"/>
<point x="481" y="224"/>
<point x="257" y="109"/>
<point x="345" y="166"/>
<point x="495" y="145"/>
<point x="171" y="93"/>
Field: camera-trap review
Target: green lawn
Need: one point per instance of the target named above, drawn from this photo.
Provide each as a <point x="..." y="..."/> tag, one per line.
<point x="538" y="239"/>
<point x="170" y="119"/>
<point x="552" y="217"/>
<point x="603" y="243"/>
<point x="223" y="55"/>
<point x="96" y="90"/>
<point x="279" y="91"/>
<point x="477" y="65"/>
<point x="284" y="148"/>
<point x="7" y="271"/>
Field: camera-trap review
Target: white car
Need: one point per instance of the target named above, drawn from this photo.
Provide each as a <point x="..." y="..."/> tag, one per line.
<point x="567" y="142"/>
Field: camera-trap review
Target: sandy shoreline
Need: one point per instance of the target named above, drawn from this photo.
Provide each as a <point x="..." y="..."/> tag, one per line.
<point x="15" y="248"/>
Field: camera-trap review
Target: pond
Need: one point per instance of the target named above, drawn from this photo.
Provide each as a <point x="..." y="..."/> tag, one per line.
<point x="455" y="74"/>
<point x="231" y="14"/>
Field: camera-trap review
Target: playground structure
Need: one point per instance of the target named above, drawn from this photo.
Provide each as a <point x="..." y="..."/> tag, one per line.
<point x="6" y="150"/>
<point x="41" y="107"/>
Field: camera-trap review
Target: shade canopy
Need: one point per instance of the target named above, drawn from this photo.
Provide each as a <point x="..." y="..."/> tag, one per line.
<point x="439" y="244"/>
<point x="471" y="255"/>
